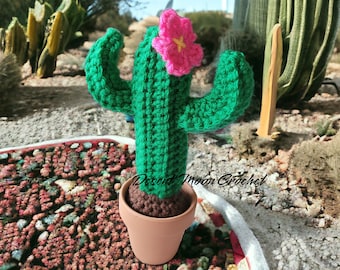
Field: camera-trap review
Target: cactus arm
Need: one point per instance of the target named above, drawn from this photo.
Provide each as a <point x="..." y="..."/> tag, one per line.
<point x="228" y="99"/>
<point x="102" y="74"/>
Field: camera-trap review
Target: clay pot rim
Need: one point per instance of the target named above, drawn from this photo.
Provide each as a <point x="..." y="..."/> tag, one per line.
<point x="187" y="189"/>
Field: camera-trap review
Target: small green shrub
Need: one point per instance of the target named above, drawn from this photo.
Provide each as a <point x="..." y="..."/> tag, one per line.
<point x="325" y="128"/>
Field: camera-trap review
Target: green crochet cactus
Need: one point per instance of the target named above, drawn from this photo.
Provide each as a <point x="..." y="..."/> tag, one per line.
<point x="163" y="110"/>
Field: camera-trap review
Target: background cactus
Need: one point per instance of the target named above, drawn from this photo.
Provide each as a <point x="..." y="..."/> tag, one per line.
<point x="10" y="75"/>
<point x="52" y="27"/>
<point x="309" y="31"/>
<point x="163" y="110"/>
<point x="48" y="33"/>
<point x="16" y="42"/>
<point x="60" y="28"/>
<point x="37" y="20"/>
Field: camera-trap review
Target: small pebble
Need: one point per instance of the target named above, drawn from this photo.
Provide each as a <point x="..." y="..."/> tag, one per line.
<point x="4" y="156"/>
<point x="300" y="202"/>
<point x="97" y="152"/>
<point x="66" y="185"/>
<point x="64" y="208"/>
<point x="49" y="219"/>
<point x="276" y="208"/>
<point x="117" y="186"/>
<point x="87" y="145"/>
<point x="36" y="152"/>
<point x="17" y="254"/>
<point x="39" y="225"/>
<point x="74" y="145"/>
<point x="322" y="223"/>
<point x="43" y="236"/>
<point x="101" y="144"/>
<point x="21" y="223"/>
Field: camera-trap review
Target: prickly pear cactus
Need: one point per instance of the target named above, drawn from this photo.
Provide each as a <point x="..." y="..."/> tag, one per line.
<point x="164" y="112"/>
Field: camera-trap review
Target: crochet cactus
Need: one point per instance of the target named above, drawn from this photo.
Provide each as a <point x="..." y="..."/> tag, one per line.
<point x="161" y="105"/>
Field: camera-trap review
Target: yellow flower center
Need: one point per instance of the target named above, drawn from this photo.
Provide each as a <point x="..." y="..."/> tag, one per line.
<point x="180" y="43"/>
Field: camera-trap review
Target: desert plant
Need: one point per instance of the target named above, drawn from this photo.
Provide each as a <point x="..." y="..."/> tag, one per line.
<point x="51" y="27"/>
<point x="309" y="30"/>
<point x="48" y="33"/>
<point x="10" y="75"/>
<point x="60" y="28"/>
<point x="15" y="41"/>
<point x="37" y="20"/>
<point x="158" y="97"/>
<point x="327" y="127"/>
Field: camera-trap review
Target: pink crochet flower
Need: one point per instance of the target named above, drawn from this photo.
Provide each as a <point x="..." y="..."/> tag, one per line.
<point x="175" y="44"/>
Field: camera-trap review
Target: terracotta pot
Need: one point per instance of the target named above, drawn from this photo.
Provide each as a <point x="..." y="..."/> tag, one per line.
<point x="155" y="240"/>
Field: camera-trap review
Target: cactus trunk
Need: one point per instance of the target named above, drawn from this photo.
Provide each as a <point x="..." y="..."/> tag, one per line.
<point x="162" y="159"/>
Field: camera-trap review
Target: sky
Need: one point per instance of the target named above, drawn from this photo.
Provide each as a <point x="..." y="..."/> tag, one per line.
<point x="153" y="6"/>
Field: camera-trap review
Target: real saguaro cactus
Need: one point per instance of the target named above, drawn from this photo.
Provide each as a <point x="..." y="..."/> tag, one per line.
<point x="163" y="110"/>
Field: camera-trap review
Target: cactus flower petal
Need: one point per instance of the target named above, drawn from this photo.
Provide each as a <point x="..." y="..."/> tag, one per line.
<point x="175" y="44"/>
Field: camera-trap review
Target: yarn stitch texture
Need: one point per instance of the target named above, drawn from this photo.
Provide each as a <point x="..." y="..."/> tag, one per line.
<point x="163" y="110"/>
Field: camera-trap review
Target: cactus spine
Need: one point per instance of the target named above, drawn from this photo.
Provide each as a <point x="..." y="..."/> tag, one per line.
<point x="163" y="110"/>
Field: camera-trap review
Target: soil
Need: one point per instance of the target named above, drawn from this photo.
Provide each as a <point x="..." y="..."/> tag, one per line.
<point x="151" y="205"/>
